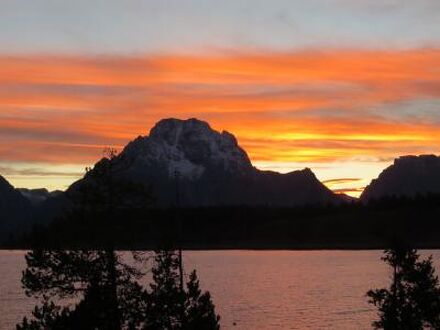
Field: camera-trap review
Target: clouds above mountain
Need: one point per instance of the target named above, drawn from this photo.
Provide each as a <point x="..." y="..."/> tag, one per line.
<point x="321" y="105"/>
<point x="306" y="107"/>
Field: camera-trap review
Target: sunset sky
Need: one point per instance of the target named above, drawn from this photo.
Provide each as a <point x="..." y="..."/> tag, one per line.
<point x="340" y="86"/>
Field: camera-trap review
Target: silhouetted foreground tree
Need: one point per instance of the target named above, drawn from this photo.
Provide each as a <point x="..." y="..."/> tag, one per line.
<point x="107" y="290"/>
<point x="106" y="294"/>
<point x="413" y="299"/>
<point x="171" y="308"/>
<point x="105" y="287"/>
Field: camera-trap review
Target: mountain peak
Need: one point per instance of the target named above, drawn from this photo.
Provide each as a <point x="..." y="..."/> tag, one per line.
<point x="170" y="129"/>
<point x="190" y="147"/>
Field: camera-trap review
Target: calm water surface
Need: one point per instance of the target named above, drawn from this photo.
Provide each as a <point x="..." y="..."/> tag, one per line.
<point x="258" y="289"/>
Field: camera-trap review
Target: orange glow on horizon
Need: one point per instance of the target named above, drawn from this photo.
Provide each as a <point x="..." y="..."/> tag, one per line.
<point x="308" y="106"/>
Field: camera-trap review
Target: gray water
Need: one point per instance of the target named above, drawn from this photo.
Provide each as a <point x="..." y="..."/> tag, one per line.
<point x="258" y="289"/>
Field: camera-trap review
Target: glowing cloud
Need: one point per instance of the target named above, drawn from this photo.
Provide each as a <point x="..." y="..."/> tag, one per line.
<point x="305" y="107"/>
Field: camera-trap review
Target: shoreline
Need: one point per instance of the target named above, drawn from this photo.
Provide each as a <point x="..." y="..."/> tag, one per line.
<point x="317" y="248"/>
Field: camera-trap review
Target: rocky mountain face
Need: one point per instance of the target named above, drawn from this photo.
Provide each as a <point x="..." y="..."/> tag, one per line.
<point x="205" y="167"/>
<point x="15" y="210"/>
<point x="408" y="176"/>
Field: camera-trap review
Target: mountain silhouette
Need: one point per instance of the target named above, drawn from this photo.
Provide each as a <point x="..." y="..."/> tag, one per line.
<point x="408" y="176"/>
<point x="15" y="210"/>
<point x="187" y="160"/>
<point x="208" y="168"/>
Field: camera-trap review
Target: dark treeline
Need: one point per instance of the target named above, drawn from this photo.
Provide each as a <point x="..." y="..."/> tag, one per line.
<point x="349" y="226"/>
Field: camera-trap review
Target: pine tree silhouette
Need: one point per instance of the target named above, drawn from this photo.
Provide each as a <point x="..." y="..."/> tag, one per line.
<point x="413" y="299"/>
<point x="171" y="308"/>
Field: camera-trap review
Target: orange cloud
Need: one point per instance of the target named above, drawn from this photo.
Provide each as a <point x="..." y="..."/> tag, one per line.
<point x="305" y="106"/>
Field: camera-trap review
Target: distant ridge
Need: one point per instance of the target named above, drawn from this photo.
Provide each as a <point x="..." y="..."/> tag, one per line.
<point x="38" y="196"/>
<point x="408" y="176"/>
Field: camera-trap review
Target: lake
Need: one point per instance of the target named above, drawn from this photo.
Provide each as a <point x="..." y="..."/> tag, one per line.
<point x="258" y="289"/>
